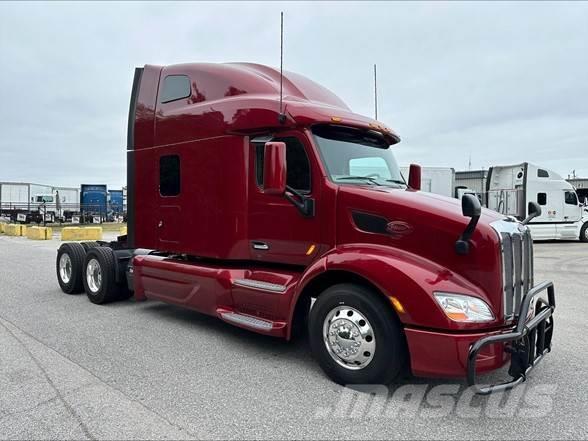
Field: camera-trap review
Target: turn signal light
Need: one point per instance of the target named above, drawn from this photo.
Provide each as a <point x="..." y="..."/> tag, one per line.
<point x="397" y="305"/>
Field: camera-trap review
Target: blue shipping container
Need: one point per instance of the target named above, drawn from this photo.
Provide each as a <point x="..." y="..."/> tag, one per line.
<point x="116" y="201"/>
<point x="93" y="199"/>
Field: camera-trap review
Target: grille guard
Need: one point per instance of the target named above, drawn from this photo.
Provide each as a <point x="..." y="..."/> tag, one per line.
<point x="531" y="341"/>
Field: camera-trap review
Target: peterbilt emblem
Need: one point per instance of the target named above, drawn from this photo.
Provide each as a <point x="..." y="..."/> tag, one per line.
<point x="399" y="228"/>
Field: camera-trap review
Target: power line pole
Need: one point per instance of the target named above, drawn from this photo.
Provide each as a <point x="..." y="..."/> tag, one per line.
<point x="375" y="92"/>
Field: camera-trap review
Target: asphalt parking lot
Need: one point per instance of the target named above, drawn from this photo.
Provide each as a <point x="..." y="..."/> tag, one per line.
<point x="71" y="369"/>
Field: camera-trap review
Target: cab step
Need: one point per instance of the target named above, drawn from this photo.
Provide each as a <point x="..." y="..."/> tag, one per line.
<point x="247" y="321"/>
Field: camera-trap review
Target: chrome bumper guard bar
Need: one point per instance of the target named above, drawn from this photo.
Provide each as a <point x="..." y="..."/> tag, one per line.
<point x="529" y="342"/>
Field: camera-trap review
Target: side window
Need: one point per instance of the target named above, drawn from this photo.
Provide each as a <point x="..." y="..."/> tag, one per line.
<point x="259" y="155"/>
<point x="175" y="87"/>
<point x="169" y="175"/>
<point x="571" y="198"/>
<point x="297" y="163"/>
<point x="542" y="173"/>
<point x="542" y="198"/>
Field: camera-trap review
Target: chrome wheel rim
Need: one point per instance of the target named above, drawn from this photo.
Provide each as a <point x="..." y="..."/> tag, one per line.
<point x="349" y="337"/>
<point x="586" y="234"/>
<point x="65" y="268"/>
<point x="94" y="275"/>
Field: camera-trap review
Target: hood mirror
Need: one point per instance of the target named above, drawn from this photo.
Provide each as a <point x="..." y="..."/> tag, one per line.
<point x="470" y="207"/>
<point x="414" y="177"/>
<point x="534" y="211"/>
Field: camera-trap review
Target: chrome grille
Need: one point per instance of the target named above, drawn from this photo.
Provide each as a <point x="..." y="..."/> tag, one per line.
<point x="517" y="263"/>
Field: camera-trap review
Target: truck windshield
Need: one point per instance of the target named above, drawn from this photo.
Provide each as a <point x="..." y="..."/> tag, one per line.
<point x="355" y="156"/>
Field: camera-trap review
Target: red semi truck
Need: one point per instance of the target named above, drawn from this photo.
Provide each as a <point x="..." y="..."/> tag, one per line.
<point x="292" y="217"/>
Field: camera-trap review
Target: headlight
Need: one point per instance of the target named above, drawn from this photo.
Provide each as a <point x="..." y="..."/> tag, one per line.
<point x="462" y="308"/>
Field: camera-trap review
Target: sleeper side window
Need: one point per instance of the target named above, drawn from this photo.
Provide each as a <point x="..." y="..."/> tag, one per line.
<point x="542" y="173"/>
<point x="169" y="175"/>
<point x="175" y="87"/>
<point x="542" y="198"/>
<point x="298" y="165"/>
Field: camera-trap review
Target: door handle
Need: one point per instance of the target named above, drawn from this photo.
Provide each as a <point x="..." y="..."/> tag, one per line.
<point x="260" y="245"/>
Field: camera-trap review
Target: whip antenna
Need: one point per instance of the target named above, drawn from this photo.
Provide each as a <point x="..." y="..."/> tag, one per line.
<point x="375" y="92"/>
<point x="281" y="116"/>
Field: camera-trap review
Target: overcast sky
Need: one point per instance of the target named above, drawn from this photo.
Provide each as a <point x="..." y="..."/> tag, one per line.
<point x="502" y="82"/>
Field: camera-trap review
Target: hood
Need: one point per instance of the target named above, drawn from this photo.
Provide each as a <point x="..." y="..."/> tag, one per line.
<point x="421" y="223"/>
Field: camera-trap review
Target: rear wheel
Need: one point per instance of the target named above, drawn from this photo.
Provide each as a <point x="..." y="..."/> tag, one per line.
<point x="584" y="233"/>
<point x="69" y="266"/>
<point x="88" y="245"/>
<point x="100" y="275"/>
<point x="355" y="336"/>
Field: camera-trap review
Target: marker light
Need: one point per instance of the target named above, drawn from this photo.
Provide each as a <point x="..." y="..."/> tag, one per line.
<point x="397" y="305"/>
<point x="310" y="249"/>
<point x="462" y="308"/>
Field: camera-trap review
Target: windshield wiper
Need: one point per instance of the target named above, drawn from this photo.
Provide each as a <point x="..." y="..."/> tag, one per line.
<point x="366" y="178"/>
<point x="396" y="181"/>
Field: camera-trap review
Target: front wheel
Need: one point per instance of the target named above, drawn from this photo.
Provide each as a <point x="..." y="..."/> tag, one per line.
<point x="355" y="336"/>
<point x="584" y="233"/>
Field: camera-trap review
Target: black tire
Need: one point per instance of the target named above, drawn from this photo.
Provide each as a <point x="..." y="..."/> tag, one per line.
<point x="584" y="233"/>
<point x="389" y="356"/>
<point x="107" y="290"/>
<point x="88" y="245"/>
<point x="76" y="254"/>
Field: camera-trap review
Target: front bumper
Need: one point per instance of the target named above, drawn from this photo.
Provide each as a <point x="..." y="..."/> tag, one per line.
<point x="528" y="343"/>
<point x="446" y="354"/>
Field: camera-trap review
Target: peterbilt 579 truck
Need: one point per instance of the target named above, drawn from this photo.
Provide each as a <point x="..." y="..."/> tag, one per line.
<point x="259" y="211"/>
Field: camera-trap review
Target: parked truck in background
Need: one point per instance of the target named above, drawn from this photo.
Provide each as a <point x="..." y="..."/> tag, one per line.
<point x="27" y="202"/>
<point x="441" y="180"/>
<point x="563" y="216"/>
<point x="115" y="204"/>
<point x="284" y="216"/>
<point x="24" y="202"/>
<point x="93" y="202"/>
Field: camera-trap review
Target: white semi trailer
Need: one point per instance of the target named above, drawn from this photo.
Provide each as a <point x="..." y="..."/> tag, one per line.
<point x="441" y="180"/>
<point x="438" y="180"/>
<point x="510" y="188"/>
<point x="34" y="202"/>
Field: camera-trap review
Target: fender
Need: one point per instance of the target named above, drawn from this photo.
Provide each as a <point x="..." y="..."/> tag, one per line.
<point x="409" y="278"/>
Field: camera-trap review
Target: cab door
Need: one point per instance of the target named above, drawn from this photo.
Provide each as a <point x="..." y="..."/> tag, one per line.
<point x="543" y="227"/>
<point x="278" y="231"/>
<point x="572" y="214"/>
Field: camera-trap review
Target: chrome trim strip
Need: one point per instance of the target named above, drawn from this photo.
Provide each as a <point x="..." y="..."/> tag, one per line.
<point x="259" y="285"/>
<point x="247" y="320"/>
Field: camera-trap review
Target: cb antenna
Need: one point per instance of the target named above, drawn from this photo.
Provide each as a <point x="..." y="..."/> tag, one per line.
<point x="282" y="115"/>
<point x="375" y="92"/>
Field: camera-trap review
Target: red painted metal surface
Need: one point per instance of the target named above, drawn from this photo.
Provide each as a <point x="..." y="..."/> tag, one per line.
<point x="442" y="354"/>
<point x="221" y="211"/>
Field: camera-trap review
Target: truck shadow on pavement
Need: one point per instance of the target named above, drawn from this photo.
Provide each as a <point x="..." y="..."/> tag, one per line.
<point x="252" y="341"/>
<point x="295" y="351"/>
